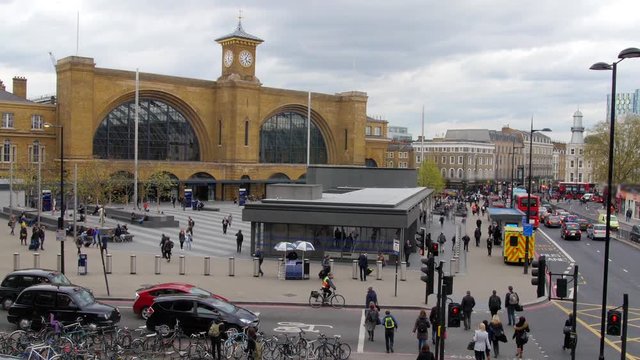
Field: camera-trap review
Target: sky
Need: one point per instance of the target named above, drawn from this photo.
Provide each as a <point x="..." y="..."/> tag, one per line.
<point x="468" y="63"/>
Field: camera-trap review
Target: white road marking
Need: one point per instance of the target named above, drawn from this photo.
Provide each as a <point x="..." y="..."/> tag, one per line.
<point x="361" y="333"/>
<point x="625" y="270"/>
<point x="558" y="247"/>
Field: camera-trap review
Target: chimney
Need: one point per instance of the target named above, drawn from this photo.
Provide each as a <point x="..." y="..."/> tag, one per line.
<point x="20" y="86"/>
<point x="2" y="87"/>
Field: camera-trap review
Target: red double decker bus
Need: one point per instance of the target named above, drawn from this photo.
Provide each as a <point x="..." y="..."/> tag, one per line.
<point x="574" y="190"/>
<point x="521" y="200"/>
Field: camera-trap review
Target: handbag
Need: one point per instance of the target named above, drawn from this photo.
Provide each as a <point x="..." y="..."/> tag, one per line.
<point x="502" y="338"/>
<point x="471" y="345"/>
<point x="519" y="307"/>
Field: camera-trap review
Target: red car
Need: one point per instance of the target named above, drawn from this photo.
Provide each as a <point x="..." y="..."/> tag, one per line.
<point x="145" y="295"/>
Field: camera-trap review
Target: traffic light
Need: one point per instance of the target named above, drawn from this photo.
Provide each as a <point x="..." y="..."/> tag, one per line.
<point x="434" y="248"/>
<point x="538" y="272"/>
<point x="613" y="322"/>
<point x="429" y="270"/>
<point x="447" y="285"/>
<point x="454" y="315"/>
<point x="561" y="287"/>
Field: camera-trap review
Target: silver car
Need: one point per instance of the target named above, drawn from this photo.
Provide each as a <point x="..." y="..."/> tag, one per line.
<point x="596" y="231"/>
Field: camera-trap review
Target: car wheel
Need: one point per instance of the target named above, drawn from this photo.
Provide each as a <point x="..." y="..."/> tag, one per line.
<point x="7" y="302"/>
<point x="145" y="312"/>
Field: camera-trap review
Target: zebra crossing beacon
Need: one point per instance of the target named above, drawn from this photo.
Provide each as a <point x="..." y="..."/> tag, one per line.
<point x="514" y="234"/>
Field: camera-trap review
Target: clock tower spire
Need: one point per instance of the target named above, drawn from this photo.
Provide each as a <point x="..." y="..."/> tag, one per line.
<point x="239" y="54"/>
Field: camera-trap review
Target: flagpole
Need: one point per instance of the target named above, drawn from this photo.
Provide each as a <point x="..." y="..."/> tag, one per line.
<point x="135" y="145"/>
<point x="309" y="129"/>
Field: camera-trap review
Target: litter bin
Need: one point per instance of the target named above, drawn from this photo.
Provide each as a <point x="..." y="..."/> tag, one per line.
<point x="82" y="264"/>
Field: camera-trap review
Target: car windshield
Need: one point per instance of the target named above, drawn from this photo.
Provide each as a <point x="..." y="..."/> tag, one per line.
<point x="554" y="218"/>
<point x="599" y="227"/>
<point x="83" y="298"/>
<point x="572" y="226"/>
<point x="60" y="279"/>
<point x="198" y="291"/>
<point x="222" y="305"/>
<point x="613" y="218"/>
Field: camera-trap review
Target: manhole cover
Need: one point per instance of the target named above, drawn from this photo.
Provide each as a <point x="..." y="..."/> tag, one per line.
<point x="290" y="295"/>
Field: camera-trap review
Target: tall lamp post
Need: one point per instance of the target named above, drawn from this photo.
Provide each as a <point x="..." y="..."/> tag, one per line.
<point x="624" y="54"/>
<point x="61" y="218"/>
<point x="526" y="245"/>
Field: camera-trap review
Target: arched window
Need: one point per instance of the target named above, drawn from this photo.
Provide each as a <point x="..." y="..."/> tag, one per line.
<point x="451" y="173"/>
<point x="163" y="133"/>
<point x="283" y="140"/>
<point x="444" y="173"/>
<point x="460" y="173"/>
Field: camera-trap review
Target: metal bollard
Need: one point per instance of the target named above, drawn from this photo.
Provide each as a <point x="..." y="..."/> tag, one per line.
<point x="207" y="266"/>
<point x="108" y="263"/>
<point x="132" y="265"/>
<point x="403" y="271"/>
<point x="331" y="265"/>
<point x="455" y="265"/>
<point x="354" y="270"/>
<point x="181" y="265"/>
<point x="256" y="267"/>
<point x="16" y="261"/>
<point x="232" y="266"/>
<point x="378" y="270"/>
<point x="157" y="265"/>
<point x="36" y="260"/>
<point x="59" y="262"/>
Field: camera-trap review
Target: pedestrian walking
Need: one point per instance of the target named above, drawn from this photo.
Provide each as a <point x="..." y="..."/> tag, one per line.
<point x="41" y="236"/>
<point x="441" y="221"/>
<point x="489" y="246"/>
<point x="225" y="224"/>
<point x="453" y="242"/>
<point x="568" y="342"/>
<point x="465" y="241"/>
<point x="216" y="333"/>
<point x="481" y="342"/>
<point x="181" y="238"/>
<point x="627" y="217"/>
<point x="521" y="335"/>
<point x="163" y="241"/>
<point x="12" y="224"/>
<point x="23" y="234"/>
<point x="477" y="234"/>
<point x="168" y="246"/>
<point x="239" y="238"/>
<point x="229" y="219"/>
<point x="479" y="223"/>
<point x="363" y="264"/>
<point x="190" y="225"/>
<point x="260" y="255"/>
<point x="173" y="201"/>
<point x="372" y="318"/>
<point x="372" y="297"/>
<point x="441" y="240"/>
<point x="407" y="251"/>
<point x="421" y="329"/>
<point x="496" y="334"/>
<point x="189" y="239"/>
<point x="104" y="240"/>
<point x="467" y="304"/>
<point x="433" y="319"/>
<point x="390" y="326"/>
<point x="495" y="303"/>
<point x="511" y="301"/>
<point x="425" y="353"/>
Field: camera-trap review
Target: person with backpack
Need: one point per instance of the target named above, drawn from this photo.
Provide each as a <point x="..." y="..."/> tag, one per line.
<point x="441" y="240"/>
<point x="433" y="319"/>
<point x="390" y="326"/>
<point x="511" y="301"/>
<point x="477" y="234"/>
<point x="371" y="320"/>
<point x="216" y="333"/>
<point x="467" y="304"/>
<point x="465" y="241"/>
<point x="190" y="225"/>
<point x="421" y="329"/>
<point x="521" y="335"/>
<point x="495" y="304"/>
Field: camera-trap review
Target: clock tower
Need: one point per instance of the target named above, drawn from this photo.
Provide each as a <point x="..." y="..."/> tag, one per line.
<point x="239" y="55"/>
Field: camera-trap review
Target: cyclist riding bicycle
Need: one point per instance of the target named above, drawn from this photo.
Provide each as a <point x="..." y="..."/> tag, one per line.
<point x="327" y="285"/>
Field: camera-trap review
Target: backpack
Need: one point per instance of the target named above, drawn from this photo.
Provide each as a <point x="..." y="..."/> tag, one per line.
<point x="524" y="337"/>
<point x="494" y="303"/>
<point x="423" y="326"/>
<point x="214" y="330"/>
<point x="372" y="316"/>
<point x="389" y="323"/>
<point x="259" y="350"/>
<point x="513" y="299"/>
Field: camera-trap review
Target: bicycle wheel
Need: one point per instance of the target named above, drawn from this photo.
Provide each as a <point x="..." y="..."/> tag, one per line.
<point x="181" y="344"/>
<point x="344" y="351"/>
<point x="315" y="301"/>
<point x="18" y="341"/>
<point x="337" y="301"/>
<point x="137" y="346"/>
<point x="323" y="352"/>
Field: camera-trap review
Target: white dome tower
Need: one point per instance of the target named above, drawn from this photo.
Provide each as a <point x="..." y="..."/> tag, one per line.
<point x="577" y="130"/>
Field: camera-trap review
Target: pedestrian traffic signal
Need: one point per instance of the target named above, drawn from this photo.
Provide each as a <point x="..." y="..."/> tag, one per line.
<point x="447" y="285"/>
<point x="538" y="272"/>
<point x="454" y="315"/>
<point x="561" y="287"/>
<point x="613" y="322"/>
<point x="429" y="270"/>
<point x="434" y="248"/>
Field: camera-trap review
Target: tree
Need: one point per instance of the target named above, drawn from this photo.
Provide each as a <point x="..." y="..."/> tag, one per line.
<point x="429" y="176"/>
<point x="158" y="185"/>
<point x="626" y="150"/>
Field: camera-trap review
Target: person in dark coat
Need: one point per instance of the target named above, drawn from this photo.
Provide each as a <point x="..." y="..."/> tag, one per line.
<point x="467" y="304"/>
<point x="372" y="297"/>
<point x="568" y="328"/>
<point x="363" y="264"/>
<point x="425" y="353"/>
<point x="465" y="241"/>
<point x="520" y="334"/>
<point x="239" y="239"/>
<point x="477" y="234"/>
<point x="495" y="303"/>
<point x="496" y="332"/>
<point x="260" y="255"/>
<point x="421" y="329"/>
<point x="433" y="319"/>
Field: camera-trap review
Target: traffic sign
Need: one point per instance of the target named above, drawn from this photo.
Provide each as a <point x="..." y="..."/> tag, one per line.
<point x="396" y="245"/>
<point x="60" y="234"/>
<point x="524" y="220"/>
<point x="527" y="230"/>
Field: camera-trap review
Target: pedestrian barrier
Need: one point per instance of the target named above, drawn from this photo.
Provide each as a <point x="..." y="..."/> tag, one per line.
<point x="16" y="261"/>
<point x="132" y="265"/>
<point x="157" y="265"/>
<point x="256" y="267"/>
<point x="354" y="270"/>
<point x="379" y="270"/>
<point x="403" y="271"/>
<point x="281" y="269"/>
<point x="232" y="266"/>
<point x="330" y="265"/>
<point x="36" y="260"/>
<point x="181" y="265"/>
<point x="207" y="266"/>
<point x="59" y="262"/>
<point x="108" y="264"/>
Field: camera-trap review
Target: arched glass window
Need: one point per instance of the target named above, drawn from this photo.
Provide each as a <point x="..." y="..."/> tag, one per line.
<point x="460" y="172"/>
<point x="451" y="172"/>
<point x="163" y="133"/>
<point x="283" y="140"/>
<point x="444" y="173"/>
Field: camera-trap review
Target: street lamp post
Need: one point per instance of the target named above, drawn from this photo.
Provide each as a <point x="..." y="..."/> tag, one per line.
<point x="61" y="218"/>
<point x="526" y="245"/>
<point x="624" y="54"/>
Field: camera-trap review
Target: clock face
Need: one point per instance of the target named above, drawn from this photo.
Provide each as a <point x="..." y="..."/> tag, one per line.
<point x="245" y="58"/>
<point x="228" y="58"/>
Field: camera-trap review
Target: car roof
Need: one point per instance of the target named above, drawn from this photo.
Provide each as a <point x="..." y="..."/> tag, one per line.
<point x="571" y="223"/>
<point x="170" y="285"/>
<point x="166" y="298"/>
<point x="35" y="271"/>
<point x="63" y="288"/>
